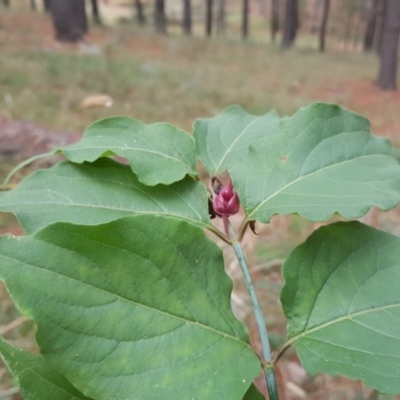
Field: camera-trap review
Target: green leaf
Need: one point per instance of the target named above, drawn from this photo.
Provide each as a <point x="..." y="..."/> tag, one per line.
<point x="224" y="139"/>
<point x="342" y="301"/>
<point x="138" y="308"/>
<point x="36" y="378"/>
<point x="253" y="394"/>
<point x="323" y="160"/>
<point x="100" y="192"/>
<point x="157" y="153"/>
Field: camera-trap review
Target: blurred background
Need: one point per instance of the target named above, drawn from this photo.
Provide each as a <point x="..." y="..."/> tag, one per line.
<point x="66" y="63"/>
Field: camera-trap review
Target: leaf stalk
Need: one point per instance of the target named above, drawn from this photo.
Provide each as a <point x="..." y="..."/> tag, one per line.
<point x="242" y="230"/>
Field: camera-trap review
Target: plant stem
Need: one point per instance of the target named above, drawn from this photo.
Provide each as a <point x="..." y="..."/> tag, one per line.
<point x="269" y="371"/>
<point x="219" y="234"/>
<point x="242" y="230"/>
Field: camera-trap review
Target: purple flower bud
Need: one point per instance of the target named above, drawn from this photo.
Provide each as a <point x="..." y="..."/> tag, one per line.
<point x="226" y="202"/>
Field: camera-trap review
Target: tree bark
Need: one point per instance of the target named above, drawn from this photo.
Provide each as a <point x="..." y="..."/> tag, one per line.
<point x="389" y="49"/>
<point x="160" y="18"/>
<point x="379" y="25"/>
<point x="221" y="20"/>
<point x="140" y="17"/>
<point x="370" y="28"/>
<point x="324" y="23"/>
<point x="69" y="19"/>
<point x="46" y="5"/>
<point x="245" y="19"/>
<point x="95" y="12"/>
<point x="356" y="31"/>
<point x="209" y="17"/>
<point x="315" y="20"/>
<point x="274" y="19"/>
<point x="291" y="23"/>
<point x="6" y="3"/>
<point x="347" y="26"/>
<point x="187" y="17"/>
<point x="33" y="5"/>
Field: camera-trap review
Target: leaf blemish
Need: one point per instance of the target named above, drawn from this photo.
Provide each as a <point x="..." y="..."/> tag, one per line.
<point x="283" y="158"/>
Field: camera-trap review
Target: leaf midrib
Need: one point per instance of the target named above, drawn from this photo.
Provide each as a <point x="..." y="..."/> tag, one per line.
<point x="45" y="379"/>
<point x="228" y="150"/>
<point x="307" y="176"/>
<point x="194" y="221"/>
<point x="185" y="321"/>
<point x="114" y="148"/>
<point x="339" y="320"/>
<point x="199" y="221"/>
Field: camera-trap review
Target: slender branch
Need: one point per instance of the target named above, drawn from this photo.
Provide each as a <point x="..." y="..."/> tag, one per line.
<point x="269" y="371"/>
<point x="9" y="392"/>
<point x="219" y="234"/>
<point x="278" y="354"/>
<point x="7" y="187"/>
<point x="25" y="163"/>
<point x="242" y="230"/>
<point x="226" y="226"/>
<point x="13" y="324"/>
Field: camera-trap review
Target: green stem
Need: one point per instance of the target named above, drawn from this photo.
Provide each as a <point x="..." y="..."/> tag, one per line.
<point x="269" y="374"/>
<point x="269" y="371"/>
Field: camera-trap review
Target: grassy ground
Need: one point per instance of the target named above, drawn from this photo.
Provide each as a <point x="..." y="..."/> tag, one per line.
<point x="178" y="79"/>
<point x="173" y="78"/>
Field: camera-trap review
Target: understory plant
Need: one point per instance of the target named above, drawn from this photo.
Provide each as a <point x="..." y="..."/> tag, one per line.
<point x="129" y="296"/>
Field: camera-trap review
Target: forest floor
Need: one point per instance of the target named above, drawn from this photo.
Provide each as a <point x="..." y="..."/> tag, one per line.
<point x="43" y="85"/>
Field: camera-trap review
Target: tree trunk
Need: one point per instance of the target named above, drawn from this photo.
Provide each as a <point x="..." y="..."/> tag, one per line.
<point x="379" y="25"/>
<point x="274" y="19"/>
<point x="33" y="5"/>
<point x="160" y="18"/>
<point x="370" y="28"/>
<point x="352" y="24"/>
<point x="46" y="5"/>
<point x="389" y="48"/>
<point x="357" y="24"/>
<point x="141" y="19"/>
<point x="187" y="17"/>
<point x="324" y="23"/>
<point x="291" y="23"/>
<point x="209" y="16"/>
<point x="95" y="12"/>
<point x="245" y="19"/>
<point x="315" y="21"/>
<point x="6" y="3"/>
<point x="69" y="19"/>
<point x="220" y="20"/>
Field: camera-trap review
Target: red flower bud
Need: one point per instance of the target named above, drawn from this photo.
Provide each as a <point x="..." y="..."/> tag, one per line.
<point x="226" y="202"/>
